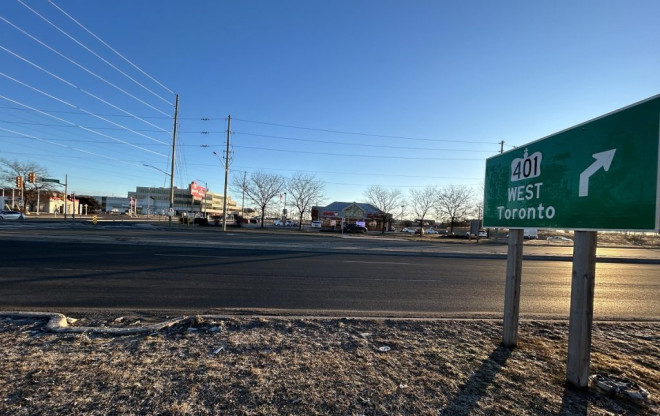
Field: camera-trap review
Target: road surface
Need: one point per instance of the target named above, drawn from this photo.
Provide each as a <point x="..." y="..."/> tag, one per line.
<point x="128" y="270"/>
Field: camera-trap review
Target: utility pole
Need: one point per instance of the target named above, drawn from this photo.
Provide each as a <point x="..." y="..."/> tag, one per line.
<point x="66" y="190"/>
<point x="502" y="146"/>
<point x="224" y="201"/>
<point x="176" y="113"/>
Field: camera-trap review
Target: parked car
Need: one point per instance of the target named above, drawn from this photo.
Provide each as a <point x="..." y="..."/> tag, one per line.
<point x="354" y="228"/>
<point x="408" y="230"/>
<point x="316" y="224"/>
<point x="483" y="233"/>
<point x="11" y="215"/>
<point x="278" y="223"/>
<point x="431" y="231"/>
<point x="559" y="239"/>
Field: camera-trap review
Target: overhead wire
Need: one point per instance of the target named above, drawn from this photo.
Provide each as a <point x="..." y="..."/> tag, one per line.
<point x="254" y="168"/>
<point x="361" y="134"/>
<point x="348" y="154"/>
<point x="80" y="108"/>
<point x="81" y="89"/>
<point x="106" y="138"/>
<point x="90" y="51"/>
<point x="81" y="127"/>
<point x="81" y="66"/>
<point x="379" y="146"/>
<point x="61" y="145"/>
<point x="111" y="48"/>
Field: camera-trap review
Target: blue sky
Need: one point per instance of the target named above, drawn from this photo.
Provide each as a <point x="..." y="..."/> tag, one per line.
<point x="360" y="93"/>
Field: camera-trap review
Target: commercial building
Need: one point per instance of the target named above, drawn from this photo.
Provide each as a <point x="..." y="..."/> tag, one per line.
<point x="156" y="201"/>
<point x="337" y="214"/>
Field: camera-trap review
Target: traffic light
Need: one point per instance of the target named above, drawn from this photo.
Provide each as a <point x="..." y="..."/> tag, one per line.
<point x="31" y="177"/>
<point x="19" y="182"/>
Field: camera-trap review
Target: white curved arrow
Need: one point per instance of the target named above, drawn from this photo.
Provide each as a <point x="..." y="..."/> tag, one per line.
<point x="603" y="160"/>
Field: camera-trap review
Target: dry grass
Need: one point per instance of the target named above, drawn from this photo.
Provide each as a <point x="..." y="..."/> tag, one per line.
<point x="252" y="366"/>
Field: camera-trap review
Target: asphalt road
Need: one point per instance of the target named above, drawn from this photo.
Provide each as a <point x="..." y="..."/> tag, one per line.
<point x="155" y="270"/>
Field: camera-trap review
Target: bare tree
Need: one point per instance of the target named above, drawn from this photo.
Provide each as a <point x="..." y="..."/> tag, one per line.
<point x="261" y="188"/>
<point x="240" y="184"/>
<point x="423" y="200"/>
<point x="10" y="169"/>
<point x="304" y="189"/>
<point x="453" y="201"/>
<point x="383" y="199"/>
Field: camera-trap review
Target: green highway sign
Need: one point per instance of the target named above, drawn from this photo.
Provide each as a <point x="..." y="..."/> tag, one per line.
<point x="599" y="175"/>
<point x="50" y="180"/>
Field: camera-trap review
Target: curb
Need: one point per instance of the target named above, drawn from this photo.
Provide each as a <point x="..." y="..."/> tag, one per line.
<point x="58" y="323"/>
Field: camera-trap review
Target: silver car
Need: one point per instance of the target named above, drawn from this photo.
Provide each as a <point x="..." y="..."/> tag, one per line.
<point x="11" y="215"/>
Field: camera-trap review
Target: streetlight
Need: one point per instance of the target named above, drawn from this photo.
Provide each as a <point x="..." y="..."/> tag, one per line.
<point x="284" y="210"/>
<point x="402" y="212"/>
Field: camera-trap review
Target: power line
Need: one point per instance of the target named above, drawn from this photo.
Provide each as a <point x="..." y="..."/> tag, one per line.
<point x="106" y="115"/>
<point x="377" y="146"/>
<point x="83" y="128"/>
<point x="59" y="144"/>
<point x="91" y="51"/>
<point x="112" y="49"/>
<point x="76" y="64"/>
<point x="81" y="109"/>
<point x="362" y="134"/>
<point x="253" y="168"/>
<point x="349" y="154"/>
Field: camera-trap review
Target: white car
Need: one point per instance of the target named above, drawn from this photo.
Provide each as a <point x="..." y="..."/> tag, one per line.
<point x="559" y="239"/>
<point x="11" y="215"/>
<point x="278" y="222"/>
<point x="431" y="231"/>
<point x="408" y="230"/>
<point x="316" y="224"/>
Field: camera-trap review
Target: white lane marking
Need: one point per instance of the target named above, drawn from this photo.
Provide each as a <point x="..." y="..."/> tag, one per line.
<point x="372" y="262"/>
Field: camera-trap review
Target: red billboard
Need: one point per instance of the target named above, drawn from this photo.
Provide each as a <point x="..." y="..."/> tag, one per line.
<point x="198" y="192"/>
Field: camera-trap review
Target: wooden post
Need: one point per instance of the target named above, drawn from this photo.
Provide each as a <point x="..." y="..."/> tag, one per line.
<point x="582" y="308"/>
<point x="512" y="290"/>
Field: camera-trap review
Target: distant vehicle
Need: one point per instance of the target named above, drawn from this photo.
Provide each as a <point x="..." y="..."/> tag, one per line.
<point x="11" y="215"/>
<point x="431" y="231"/>
<point x="559" y="239"/>
<point x="354" y="228"/>
<point x="480" y="233"/>
<point x="278" y="223"/>
<point x="531" y="234"/>
<point x="291" y="224"/>
<point x="254" y="221"/>
<point x="408" y="230"/>
<point x="316" y="224"/>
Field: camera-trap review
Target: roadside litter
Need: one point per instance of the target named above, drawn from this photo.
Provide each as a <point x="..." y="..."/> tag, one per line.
<point x="616" y="385"/>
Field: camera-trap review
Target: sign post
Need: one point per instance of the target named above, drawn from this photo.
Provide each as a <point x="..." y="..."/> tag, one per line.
<point x="512" y="289"/>
<point x="582" y="308"/>
<point x="600" y="175"/>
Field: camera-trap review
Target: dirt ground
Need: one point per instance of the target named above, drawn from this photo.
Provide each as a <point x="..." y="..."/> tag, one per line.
<point x="253" y="366"/>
